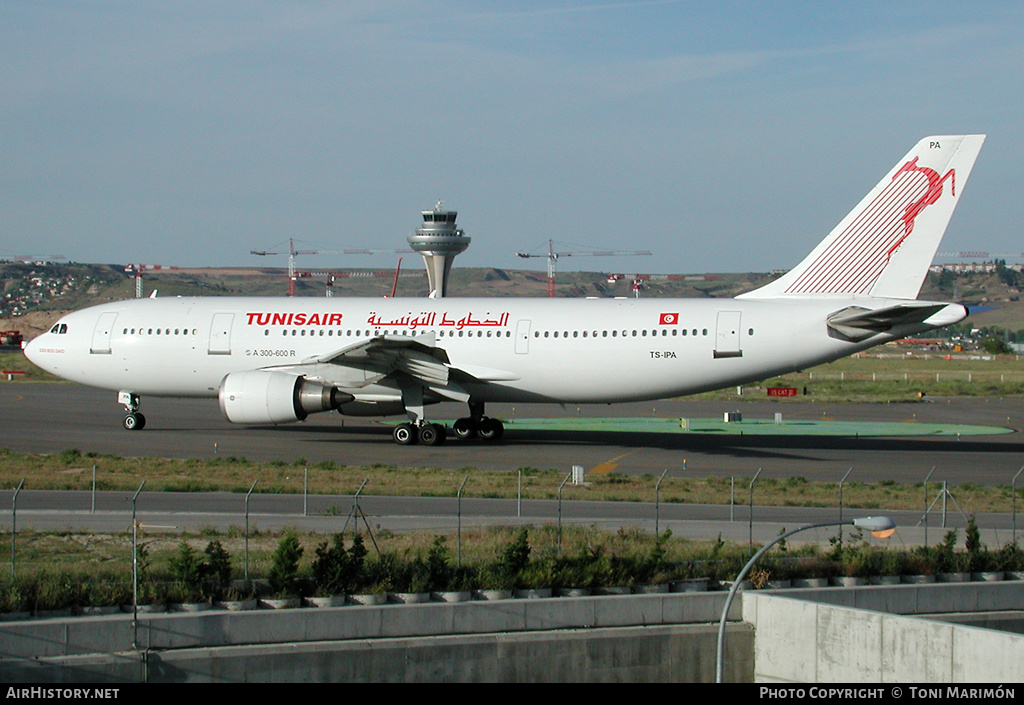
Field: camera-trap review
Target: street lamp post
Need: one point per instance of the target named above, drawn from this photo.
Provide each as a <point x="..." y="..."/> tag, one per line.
<point x="881" y="527"/>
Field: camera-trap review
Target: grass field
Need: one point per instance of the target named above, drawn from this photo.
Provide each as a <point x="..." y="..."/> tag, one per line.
<point x="70" y="470"/>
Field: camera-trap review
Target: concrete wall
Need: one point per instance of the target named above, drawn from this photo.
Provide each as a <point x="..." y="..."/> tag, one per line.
<point x="844" y="635"/>
<point x="638" y="638"/>
<point x="808" y="638"/>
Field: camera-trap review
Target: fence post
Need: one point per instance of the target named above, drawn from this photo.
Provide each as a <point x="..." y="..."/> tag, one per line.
<point x="135" y="568"/>
<point x="750" y="512"/>
<point x="247" y="494"/>
<point x="657" y="504"/>
<point x="459" y="496"/>
<point x="14" y="522"/>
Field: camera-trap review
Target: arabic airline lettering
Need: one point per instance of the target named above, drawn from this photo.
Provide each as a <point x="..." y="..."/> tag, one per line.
<point x="273" y="361"/>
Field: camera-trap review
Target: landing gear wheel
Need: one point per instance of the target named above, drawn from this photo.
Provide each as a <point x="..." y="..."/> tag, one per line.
<point x="464" y="428"/>
<point x="134" y="422"/>
<point x="432" y="434"/>
<point x="491" y="429"/>
<point x="405" y="434"/>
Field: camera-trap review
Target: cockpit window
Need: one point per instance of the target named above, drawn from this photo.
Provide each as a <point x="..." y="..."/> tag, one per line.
<point x="59" y="328"/>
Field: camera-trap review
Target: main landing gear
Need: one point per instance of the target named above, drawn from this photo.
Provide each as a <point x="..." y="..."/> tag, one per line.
<point x="133" y="420"/>
<point x="476" y="425"/>
<point x="429" y="434"/>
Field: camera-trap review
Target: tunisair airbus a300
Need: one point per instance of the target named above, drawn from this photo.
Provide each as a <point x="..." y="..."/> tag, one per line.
<point x="277" y="360"/>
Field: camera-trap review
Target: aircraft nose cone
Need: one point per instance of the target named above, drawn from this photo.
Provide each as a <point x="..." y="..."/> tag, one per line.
<point x="30" y="348"/>
<point x="34" y="351"/>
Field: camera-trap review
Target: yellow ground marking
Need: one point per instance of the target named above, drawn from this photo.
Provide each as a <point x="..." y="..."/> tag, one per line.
<point x="609" y="465"/>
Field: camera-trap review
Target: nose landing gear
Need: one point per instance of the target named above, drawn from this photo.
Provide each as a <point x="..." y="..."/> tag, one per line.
<point x="133" y="420"/>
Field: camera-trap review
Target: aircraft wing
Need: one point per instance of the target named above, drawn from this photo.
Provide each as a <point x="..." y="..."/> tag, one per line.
<point x="857" y="323"/>
<point x="416" y="360"/>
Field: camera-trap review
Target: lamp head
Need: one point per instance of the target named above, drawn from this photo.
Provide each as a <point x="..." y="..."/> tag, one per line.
<point x="880" y="527"/>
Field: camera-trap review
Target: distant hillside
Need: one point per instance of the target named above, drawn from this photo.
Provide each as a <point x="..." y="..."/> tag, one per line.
<point x="34" y="295"/>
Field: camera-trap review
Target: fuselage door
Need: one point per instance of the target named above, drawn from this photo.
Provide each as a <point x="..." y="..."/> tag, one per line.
<point x="522" y="337"/>
<point x="220" y="334"/>
<point x="101" y="333"/>
<point x="727" y="335"/>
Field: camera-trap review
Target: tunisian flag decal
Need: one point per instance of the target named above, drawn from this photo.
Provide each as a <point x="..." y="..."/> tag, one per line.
<point x="669" y="319"/>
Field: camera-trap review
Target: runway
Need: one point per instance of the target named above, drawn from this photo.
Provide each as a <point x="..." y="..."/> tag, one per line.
<point x="51" y="417"/>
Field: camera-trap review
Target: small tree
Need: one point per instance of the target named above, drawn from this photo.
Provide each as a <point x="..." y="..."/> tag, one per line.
<point x="188" y="572"/>
<point x="439" y="572"/>
<point x="285" y="565"/>
<point x="218" y="567"/>
<point x="337" y="570"/>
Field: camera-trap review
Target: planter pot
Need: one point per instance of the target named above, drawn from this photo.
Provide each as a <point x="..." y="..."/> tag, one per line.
<point x="368" y="599"/>
<point x="918" y="579"/>
<point x="621" y="590"/>
<point x="1014" y="575"/>
<point x="14" y="616"/>
<point x="727" y="585"/>
<point x="333" y="601"/>
<point x="884" y="580"/>
<point x="189" y="606"/>
<point x="810" y="582"/>
<point x="777" y="585"/>
<point x="988" y="576"/>
<point x="409" y="598"/>
<point x="574" y="592"/>
<point x="954" y="577"/>
<point x="689" y="586"/>
<point x="237" y="605"/>
<point x="144" y="609"/>
<point x="492" y="594"/>
<point x="848" y="581"/>
<point x="92" y="611"/>
<point x="452" y="596"/>
<point x="532" y="593"/>
<point x="652" y="589"/>
<point x="284" y="603"/>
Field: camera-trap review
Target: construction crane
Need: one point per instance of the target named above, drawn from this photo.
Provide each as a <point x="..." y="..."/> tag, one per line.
<point x="553" y="256"/>
<point x="979" y="254"/>
<point x="293" y="253"/>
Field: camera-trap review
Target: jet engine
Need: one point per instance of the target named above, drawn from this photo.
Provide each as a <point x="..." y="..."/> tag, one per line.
<point x="261" y="396"/>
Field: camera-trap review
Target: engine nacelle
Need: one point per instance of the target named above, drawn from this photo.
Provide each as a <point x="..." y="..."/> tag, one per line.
<point x="261" y="396"/>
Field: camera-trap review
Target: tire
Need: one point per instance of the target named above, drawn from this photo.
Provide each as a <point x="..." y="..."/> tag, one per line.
<point x="134" y="422"/>
<point x="405" y="434"/>
<point x="464" y="428"/>
<point x="432" y="434"/>
<point x="491" y="429"/>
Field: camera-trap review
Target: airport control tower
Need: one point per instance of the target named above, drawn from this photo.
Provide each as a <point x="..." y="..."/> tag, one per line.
<point x="438" y="240"/>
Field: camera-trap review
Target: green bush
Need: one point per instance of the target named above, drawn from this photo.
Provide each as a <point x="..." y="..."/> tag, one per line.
<point x="285" y="565"/>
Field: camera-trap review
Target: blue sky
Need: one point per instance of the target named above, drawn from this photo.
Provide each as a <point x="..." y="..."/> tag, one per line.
<point x="721" y="136"/>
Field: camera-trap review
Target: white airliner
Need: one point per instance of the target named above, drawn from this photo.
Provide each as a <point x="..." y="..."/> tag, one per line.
<point x="277" y="360"/>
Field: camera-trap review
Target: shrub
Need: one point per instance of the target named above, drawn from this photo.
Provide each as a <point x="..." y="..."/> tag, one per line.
<point x="337" y="570"/>
<point x="285" y="565"/>
<point x="188" y="574"/>
<point x="217" y="568"/>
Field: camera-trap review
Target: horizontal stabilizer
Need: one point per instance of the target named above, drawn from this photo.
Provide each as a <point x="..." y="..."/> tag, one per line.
<point x="857" y="323"/>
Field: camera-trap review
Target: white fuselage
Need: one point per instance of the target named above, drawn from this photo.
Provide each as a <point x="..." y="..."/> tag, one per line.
<point x="565" y="350"/>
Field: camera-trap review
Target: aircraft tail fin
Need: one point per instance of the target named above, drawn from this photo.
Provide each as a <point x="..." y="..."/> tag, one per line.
<point x="884" y="247"/>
